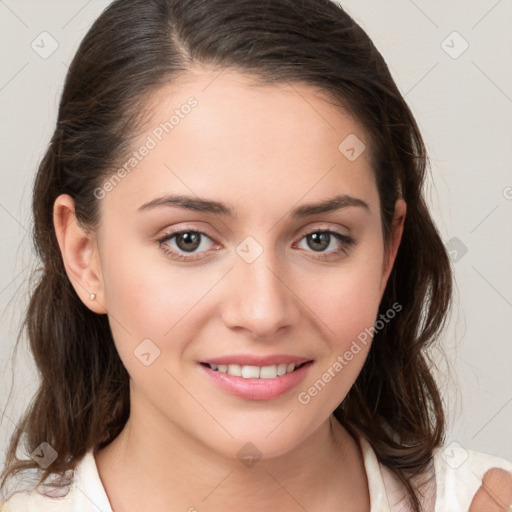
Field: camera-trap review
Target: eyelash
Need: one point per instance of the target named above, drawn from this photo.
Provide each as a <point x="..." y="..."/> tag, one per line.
<point x="347" y="242"/>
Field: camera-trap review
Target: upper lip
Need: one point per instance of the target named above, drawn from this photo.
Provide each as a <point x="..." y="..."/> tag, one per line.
<point x="253" y="360"/>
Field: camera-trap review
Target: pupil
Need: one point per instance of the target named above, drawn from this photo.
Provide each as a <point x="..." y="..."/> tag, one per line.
<point x="322" y="238"/>
<point x="191" y="241"/>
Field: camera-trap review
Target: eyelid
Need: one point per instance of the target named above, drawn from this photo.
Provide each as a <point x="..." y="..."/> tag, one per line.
<point x="323" y="226"/>
<point x="344" y="238"/>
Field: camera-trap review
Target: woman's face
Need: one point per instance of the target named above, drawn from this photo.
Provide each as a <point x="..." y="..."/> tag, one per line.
<point x="254" y="290"/>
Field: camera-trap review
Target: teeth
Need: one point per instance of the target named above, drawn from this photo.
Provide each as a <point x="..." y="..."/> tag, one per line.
<point x="250" y="372"/>
<point x="234" y="369"/>
<point x="254" y="372"/>
<point x="268" y="372"/>
<point x="281" y="369"/>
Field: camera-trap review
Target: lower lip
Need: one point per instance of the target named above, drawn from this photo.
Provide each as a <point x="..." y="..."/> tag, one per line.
<point x="257" y="389"/>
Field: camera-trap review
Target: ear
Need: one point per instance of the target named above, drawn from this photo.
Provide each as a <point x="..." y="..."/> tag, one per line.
<point x="80" y="254"/>
<point x="397" y="228"/>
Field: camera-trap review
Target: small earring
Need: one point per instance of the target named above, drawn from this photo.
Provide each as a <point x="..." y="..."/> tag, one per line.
<point x="92" y="296"/>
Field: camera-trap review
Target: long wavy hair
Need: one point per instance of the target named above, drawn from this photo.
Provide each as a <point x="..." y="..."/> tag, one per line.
<point x="137" y="46"/>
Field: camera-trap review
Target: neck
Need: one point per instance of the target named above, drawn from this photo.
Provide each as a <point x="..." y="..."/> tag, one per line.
<point x="144" y="468"/>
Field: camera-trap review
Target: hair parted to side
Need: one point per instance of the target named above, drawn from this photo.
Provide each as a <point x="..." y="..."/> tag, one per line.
<point x="136" y="46"/>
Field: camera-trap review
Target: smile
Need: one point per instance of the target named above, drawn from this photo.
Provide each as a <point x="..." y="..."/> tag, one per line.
<point x="255" y="372"/>
<point x="254" y="382"/>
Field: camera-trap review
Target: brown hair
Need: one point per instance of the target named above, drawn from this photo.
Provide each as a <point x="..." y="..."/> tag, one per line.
<point x="136" y="46"/>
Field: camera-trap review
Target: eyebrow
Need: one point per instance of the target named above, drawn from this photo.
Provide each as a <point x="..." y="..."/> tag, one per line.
<point x="209" y="206"/>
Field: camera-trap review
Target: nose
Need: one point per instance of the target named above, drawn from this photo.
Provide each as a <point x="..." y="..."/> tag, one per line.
<point x="260" y="297"/>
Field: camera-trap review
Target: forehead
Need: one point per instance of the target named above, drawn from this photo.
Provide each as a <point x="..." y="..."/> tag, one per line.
<point x="232" y="95"/>
<point x="223" y="134"/>
<point x="229" y="102"/>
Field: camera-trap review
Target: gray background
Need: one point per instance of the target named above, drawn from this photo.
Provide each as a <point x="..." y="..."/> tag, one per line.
<point x="462" y="102"/>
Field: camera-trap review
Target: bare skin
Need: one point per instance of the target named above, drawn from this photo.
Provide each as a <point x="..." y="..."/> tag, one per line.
<point x="495" y="493"/>
<point x="271" y="483"/>
<point x="264" y="151"/>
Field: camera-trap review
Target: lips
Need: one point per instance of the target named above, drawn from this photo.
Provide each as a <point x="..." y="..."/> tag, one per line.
<point x="256" y="377"/>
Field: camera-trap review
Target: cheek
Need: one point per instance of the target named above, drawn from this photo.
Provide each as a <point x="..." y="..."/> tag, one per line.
<point x="144" y="300"/>
<point x="347" y="305"/>
<point x="346" y="299"/>
<point x="149" y="298"/>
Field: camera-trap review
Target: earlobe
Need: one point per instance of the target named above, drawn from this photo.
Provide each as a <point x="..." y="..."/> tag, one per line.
<point x="397" y="228"/>
<point x="79" y="253"/>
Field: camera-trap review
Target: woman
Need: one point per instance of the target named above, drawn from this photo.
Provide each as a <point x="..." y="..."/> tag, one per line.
<point x="241" y="276"/>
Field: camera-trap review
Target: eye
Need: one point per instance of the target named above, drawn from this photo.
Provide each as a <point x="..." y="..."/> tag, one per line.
<point x="183" y="245"/>
<point x="319" y="240"/>
<point x="187" y="241"/>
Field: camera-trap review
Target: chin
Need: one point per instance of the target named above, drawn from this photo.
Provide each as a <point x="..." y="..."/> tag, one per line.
<point x="265" y="442"/>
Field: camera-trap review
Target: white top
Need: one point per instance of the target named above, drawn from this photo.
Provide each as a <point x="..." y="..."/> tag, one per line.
<point x="458" y="476"/>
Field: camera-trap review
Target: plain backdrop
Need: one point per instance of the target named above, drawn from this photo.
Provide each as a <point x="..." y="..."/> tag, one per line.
<point x="451" y="60"/>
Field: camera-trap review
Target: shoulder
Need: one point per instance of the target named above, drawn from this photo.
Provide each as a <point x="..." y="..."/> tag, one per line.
<point x="80" y="491"/>
<point x="459" y="474"/>
<point x="36" y="500"/>
<point x="450" y="482"/>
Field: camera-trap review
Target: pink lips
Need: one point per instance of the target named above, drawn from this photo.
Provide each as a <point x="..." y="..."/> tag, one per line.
<point x="257" y="389"/>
